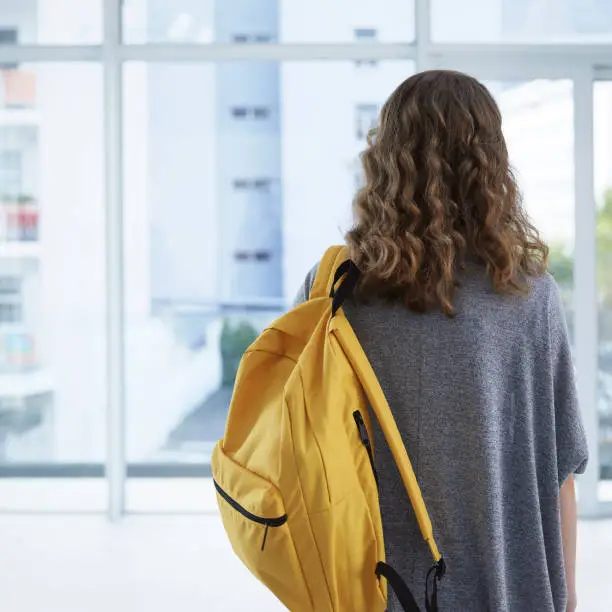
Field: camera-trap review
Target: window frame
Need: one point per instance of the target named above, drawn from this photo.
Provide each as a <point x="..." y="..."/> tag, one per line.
<point x="17" y="171"/>
<point x="582" y="63"/>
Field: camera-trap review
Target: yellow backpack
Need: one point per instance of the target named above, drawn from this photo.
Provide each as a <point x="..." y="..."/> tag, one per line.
<point x="294" y="472"/>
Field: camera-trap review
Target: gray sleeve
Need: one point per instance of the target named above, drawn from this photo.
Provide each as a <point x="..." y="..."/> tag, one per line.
<point x="304" y="291"/>
<point x="571" y="441"/>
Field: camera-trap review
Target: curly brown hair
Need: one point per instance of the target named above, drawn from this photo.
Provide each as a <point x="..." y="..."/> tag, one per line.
<point x="439" y="189"/>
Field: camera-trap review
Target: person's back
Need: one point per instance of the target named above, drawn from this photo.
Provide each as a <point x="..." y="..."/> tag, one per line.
<point x="474" y="398"/>
<point x="465" y="331"/>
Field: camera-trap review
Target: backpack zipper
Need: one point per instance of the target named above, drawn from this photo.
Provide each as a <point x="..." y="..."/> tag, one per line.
<point x="365" y="440"/>
<point x="267" y="522"/>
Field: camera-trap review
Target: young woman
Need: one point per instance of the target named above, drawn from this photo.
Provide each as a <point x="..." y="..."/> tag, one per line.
<point x="465" y="330"/>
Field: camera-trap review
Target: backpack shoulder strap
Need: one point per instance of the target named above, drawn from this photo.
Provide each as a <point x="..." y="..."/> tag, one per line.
<point x="324" y="278"/>
<point x="362" y="367"/>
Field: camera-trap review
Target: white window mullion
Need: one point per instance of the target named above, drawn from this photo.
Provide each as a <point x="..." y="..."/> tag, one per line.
<point x="49" y="53"/>
<point x="424" y="61"/>
<point x="115" y="333"/>
<point x="169" y="52"/>
<point x="585" y="289"/>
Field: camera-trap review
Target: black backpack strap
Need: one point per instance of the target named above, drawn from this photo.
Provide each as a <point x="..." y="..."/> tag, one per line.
<point x="434" y="576"/>
<point x="400" y="588"/>
<point x="349" y="274"/>
<point x="403" y="593"/>
<point x="326" y="269"/>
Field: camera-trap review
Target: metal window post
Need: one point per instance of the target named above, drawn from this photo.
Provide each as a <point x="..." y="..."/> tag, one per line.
<point x="585" y="289"/>
<point x="424" y="60"/>
<point x="113" y="174"/>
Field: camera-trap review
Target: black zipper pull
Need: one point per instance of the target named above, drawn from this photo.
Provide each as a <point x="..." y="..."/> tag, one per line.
<point x="365" y="440"/>
<point x="363" y="434"/>
<point x="265" y="537"/>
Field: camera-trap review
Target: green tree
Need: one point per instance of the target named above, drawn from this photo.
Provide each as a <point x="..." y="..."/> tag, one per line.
<point x="561" y="266"/>
<point x="604" y="249"/>
<point x="235" y="340"/>
<point x="561" y="263"/>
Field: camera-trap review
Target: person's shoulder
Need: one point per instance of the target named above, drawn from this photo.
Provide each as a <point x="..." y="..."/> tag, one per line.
<point x="310" y="277"/>
<point x="543" y="286"/>
<point x="303" y="294"/>
<point x="546" y="298"/>
<point x="544" y="290"/>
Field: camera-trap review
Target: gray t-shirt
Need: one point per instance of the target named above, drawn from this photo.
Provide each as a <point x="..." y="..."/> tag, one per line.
<point x="486" y="405"/>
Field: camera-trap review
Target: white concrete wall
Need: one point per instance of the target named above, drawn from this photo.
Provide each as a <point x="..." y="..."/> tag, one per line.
<point x="72" y="337"/>
<point x="314" y="21"/>
<point x="68" y="21"/>
<point x="138" y="184"/>
<point x="180" y="113"/>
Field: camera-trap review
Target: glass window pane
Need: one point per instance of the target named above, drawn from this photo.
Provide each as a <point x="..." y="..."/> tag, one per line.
<point x="268" y="21"/>
<point x="538" y="126"/>
<point x="603" y="192"/>
<point x="224" y="216"/>
<point x="50" y="22"/>
<point x="529" y="21"/>
<point x="52" y="351"/>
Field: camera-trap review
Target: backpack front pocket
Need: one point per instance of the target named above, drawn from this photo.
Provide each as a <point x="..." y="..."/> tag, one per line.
<point x="258" y="527"/>
<point x="266" y="522"/>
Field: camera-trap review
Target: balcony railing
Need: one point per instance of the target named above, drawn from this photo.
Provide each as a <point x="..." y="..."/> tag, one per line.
<point x="17" y="350"/>
<point x="19" y="220"/>
<point x="17" y="88"/>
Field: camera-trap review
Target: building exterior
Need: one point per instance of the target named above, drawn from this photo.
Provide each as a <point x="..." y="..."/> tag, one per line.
<point x="237" y="177"/>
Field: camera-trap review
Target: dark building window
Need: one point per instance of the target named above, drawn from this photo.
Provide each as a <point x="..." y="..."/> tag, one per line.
<point x="8" y="36"/>
<point x="244" y="38"/>
<point x="366" y="35"/>
<point x="10" y="285"/>
<point x="10" y="299"/>
<point x="250" y="112"/>
<point x="10" y="313"/>
<point x="259" y="184"/>
<point x="261" y="112"/>
<point x="252" y="256"/>
<point x="10" y="173"/>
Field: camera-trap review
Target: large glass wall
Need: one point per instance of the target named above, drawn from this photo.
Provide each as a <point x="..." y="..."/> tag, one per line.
<point x="237" y="206"/>
<point x="295" y="21"/>
<point x="52" y="336"/>
<point x="232" y="159"/>
<point x="522" y="21"/>
<point x="602" y="103"/>
<point x="538" y="123"/>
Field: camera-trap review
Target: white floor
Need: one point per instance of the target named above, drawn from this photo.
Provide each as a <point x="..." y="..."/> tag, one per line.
<point x="175" y="564"/>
